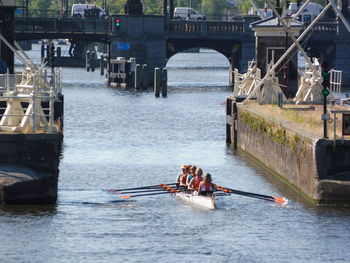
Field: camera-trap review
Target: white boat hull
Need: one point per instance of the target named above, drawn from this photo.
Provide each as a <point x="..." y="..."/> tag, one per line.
<point x="203" y="201"/>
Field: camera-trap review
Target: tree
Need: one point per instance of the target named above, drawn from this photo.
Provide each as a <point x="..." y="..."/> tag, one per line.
<point x="214" y="7"/>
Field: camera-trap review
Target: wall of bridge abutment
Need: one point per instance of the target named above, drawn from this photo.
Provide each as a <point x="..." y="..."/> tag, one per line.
<point x="314" y="167"/>
<point x="140" y="37"/>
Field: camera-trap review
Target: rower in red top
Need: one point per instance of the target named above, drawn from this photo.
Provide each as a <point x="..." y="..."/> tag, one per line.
<point x="194" y="184"/>
<point x="206" y="186"/>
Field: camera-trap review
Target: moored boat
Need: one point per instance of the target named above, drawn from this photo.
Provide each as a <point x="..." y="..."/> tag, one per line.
<point x="204" y="201"/>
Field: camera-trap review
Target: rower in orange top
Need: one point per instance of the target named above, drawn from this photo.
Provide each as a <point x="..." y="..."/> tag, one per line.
<point x="183" y="179"/>
<point x="206" y="186"/>
<point x="194" y="184"/>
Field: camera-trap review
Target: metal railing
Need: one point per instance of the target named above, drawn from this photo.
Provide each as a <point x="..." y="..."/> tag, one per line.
<point x="325" y="27"/>
<point x="65" y="25"/>
<point x="203" y="26"/>
<point x="33" y="88"/>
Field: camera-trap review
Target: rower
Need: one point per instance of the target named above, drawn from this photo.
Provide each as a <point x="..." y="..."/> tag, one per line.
<point x="181" y="175"/>
<point x="192" y="172"/>
<point x="194" y="184"/>
<point x="206" y="186"/>
<point x="184" y="176"/>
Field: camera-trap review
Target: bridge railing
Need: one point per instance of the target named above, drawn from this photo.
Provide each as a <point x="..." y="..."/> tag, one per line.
<point x="325" y="27"/>
<point x="66" y="25"/>
<point x="204" y="26"/>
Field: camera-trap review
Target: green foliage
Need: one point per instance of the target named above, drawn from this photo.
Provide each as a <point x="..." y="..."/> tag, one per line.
<point x="214" y="7"/>
<point x="151" y="6"/>
<point x="275" y="131"/>
<point x="243" y="6"/>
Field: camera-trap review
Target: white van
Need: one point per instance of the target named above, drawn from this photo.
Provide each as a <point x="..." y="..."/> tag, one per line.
<point x="78" y="10"/>
<point x="187" y="13"/>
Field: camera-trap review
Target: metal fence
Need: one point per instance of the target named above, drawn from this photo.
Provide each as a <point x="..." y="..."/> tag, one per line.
<point x="66" y="25"/>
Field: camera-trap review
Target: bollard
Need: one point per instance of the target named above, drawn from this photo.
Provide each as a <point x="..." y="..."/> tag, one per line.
<point x="87" y="62"/>
<point x="93" y="58"/>
<point x="231" y="76"/>
<point x="138" y="77"/>
<point x="164" y="82"/>
<point x="132" y="71"/>
<point x="59" y="52"/>
<point x="144" y="76"/>
<point x="157" y="80"/>
<point x="102" y="66"/>
<point x="47" y="51"/>
<point x="42" y="52"/>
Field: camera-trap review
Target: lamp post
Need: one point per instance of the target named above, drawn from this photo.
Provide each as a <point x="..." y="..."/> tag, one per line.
<point x="288" y="21"/>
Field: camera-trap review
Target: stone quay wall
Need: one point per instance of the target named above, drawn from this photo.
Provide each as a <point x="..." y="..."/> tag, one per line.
<point x="29" y="167"/>
<point x="316" y="167"/>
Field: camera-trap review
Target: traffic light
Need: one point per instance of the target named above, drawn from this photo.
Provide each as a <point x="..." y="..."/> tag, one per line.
<point x="325" y="92"/>
<point x="117" y="23"/>
<point x="325" y="74"/>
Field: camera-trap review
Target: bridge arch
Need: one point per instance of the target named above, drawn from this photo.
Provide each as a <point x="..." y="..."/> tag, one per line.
<point x="206" y="68"/>
<point x="230" y="49"/>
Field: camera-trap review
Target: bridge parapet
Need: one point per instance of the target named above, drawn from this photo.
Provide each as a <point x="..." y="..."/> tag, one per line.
<point x="203" y="26"/>
<point x="326" y="27"/>
<point x="54" y="27"/>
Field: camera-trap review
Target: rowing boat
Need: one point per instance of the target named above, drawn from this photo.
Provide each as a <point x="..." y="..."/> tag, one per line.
<point x="204" y="201"/>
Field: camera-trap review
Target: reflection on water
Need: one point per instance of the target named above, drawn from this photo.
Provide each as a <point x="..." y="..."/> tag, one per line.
<point x="117" y="139"/>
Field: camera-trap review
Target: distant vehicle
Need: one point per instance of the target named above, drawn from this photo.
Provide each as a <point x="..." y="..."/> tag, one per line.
<point x="187" y="13"/>
<point x="84" y="10"/>
<point x="61" y="42"/>
<point x="264" y="13"/>
<point x="310" y="11"/>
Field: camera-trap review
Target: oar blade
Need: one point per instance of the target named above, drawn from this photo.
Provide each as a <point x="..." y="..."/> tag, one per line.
<point x="125" y="197"/>
<point x="280" y="200"/>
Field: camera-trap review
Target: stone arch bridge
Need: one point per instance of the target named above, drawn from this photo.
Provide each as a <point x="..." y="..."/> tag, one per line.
<point x="153" y="39"/>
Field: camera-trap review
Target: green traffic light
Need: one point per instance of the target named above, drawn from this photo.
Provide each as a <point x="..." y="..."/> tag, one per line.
<point x="325" y="92"/>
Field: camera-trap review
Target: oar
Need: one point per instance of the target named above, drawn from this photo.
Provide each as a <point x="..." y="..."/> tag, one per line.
<point x="131" y="196"/>
<point x="165" y="187"/>
<point x="276" y="199"/>
<point x="136" y="188"/>
<point x="137" y="191"/>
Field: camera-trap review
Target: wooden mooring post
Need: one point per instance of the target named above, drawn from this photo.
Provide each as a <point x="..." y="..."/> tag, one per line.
<point x="231" y="122"/>
<point x="160" y="82"/>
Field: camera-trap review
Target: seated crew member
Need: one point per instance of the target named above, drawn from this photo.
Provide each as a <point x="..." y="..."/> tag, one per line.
<point x="206" y="186"/>
<point x="183" y="178"/>
<point x="192" y="172"/>
<point x="179" y="177"/>
<point x="194" y="184"/>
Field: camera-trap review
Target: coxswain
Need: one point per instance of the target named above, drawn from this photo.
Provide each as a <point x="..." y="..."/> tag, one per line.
<point x="194" y="184"/>
<point x="206" y="186"/>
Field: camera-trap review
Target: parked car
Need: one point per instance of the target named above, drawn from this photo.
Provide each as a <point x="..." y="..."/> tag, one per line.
<point x="187" y="13"/>
<point x="87" y="10"/>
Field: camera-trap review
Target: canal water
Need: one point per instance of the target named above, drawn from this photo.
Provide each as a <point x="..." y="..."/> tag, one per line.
<point x="116" y="139"/>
